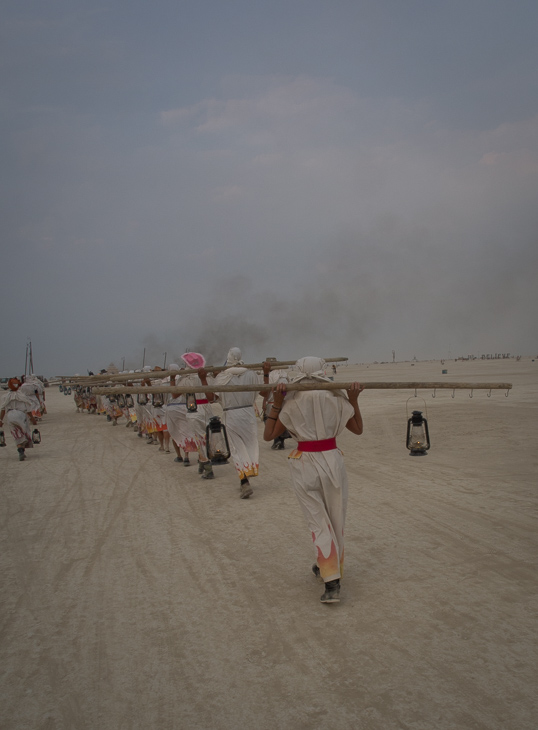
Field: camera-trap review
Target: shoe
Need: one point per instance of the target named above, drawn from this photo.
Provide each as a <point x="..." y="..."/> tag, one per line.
<point x="332" y="592"/>
<point x="167" y="451"/>
<point x="207" y="470"/>
<point x="317" y="572"/>
<point x="279" y="446"/>
<point x="179" y="459"/>
<point x="22" y="455"/>
<point x="246" y="491"/>
<point x="186" y="462"/>
<point x="200" y="467"/>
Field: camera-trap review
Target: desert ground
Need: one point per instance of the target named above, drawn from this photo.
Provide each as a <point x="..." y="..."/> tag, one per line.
<point x="138" y="596"/>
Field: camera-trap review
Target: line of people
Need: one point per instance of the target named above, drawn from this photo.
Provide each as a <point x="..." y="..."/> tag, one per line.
<point x="314" y="418"/>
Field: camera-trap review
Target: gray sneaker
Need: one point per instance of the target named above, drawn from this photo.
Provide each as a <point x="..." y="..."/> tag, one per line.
<point x="332" y="592"/>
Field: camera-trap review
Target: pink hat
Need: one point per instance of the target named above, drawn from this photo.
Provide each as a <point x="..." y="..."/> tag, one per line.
<point x="194" y="360"/>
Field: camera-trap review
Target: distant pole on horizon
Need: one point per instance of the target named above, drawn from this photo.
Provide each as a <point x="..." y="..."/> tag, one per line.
<point x="394" y="356"/>
<point x="164" y="365"/>
<point x="144" y="358"/>
<point x="123" y="363"/>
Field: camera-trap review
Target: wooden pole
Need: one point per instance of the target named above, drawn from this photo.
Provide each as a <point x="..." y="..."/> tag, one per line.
<point x="298" y="386"/>
<point x="158" y="374"/>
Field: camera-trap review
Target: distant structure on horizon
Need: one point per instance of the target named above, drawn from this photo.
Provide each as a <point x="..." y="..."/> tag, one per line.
<point x="112" y="369"/>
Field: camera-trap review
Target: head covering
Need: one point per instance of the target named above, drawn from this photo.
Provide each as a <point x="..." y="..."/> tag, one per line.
<point x="234" y="357"/>
<point x="310" y="365"/>
<point x="174" y="366"/>
<point x="14" y="384"/>
<point x="146" y="369"/>
<point x="193" y="360"/>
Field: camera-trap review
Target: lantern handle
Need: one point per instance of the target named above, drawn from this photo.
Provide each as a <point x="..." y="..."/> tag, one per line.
<point x="507" y="393"/>
<point x="489" y="394"/>
<point x="454" y="393"/>
<point x="416" y="394"/>
<point x="433" y="394"/>
<point x="471" y="393"/>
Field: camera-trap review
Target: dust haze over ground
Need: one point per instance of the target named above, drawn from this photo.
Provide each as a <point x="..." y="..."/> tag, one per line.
<point x="361" y="181"/>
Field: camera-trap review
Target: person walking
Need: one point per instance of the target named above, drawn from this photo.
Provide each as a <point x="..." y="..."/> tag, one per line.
<point x="16" y="408"/>
<point x="315" y="418"/>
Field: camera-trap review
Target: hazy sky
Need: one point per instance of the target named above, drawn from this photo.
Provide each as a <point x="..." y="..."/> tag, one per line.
<point x="292" y="177"/>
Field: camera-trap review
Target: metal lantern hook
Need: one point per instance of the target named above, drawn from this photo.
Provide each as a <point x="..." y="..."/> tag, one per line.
<point x="454" y="393"/>
<point x="507" y="393"/>
<point x="489" y="394"/>
<point x="433" y="394"/>
<point x="471" y="393"/>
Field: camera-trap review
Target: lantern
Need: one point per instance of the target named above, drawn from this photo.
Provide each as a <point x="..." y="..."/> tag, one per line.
<point x="158" y="400"/>
<point x="121" y="400"/>
<point x="142" y="399"/>
<point x="2" y="439"/>
<point x="66" y="390"/>
<point x="36" y="436"/>
<point x="112" y="398"/>
<point x="418" y="436"/>
<point x="192" y="407"/>
<point x="129" y="402"/>
<point x="218" y="448"/>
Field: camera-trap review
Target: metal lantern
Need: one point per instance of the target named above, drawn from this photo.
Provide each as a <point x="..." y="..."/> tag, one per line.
<point x="129" y="402"/>
<point x="36" y="436"/>
<point x="60" y="388"/>
<point x="2" y="439"/>
<point x="192" y="406"/>
<point x="418" y="435"/>
<point x="142" y="399"/>
<point x="112" y="398"/>
<point x="121" y="400"/>
<point x="218" y="448"/>
<point x="158" y="400"/>
<point x="66" y="390"/>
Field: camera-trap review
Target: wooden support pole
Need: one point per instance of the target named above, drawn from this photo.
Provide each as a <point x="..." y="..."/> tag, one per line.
<point x="113" y="390"/>
<point x="158" y="374"/>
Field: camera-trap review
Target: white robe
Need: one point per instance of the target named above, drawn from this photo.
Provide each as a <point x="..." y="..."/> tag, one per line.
<point x="240" y="419"/>
<point x="319" y="478"/>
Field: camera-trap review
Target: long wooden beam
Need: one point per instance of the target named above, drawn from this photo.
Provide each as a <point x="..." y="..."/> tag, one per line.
<point x="114" y="390"/>
<point x="157" y="374"/>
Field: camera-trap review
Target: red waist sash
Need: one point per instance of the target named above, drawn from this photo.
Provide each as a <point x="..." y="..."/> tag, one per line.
<point x="202" y="401"/>
<point x="323" y="445"/>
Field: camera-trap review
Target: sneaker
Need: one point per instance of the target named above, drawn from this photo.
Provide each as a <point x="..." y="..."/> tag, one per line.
<point x="200" y="467"/>
<point x="332" y="592"/>
<point x="246" y="491"/>
<point x="317" y="572"/>
<point x="186" y="461"/>
<point x="179" y="459"/>
<point x="22" y="455"/>
<point x="207" y="470"/>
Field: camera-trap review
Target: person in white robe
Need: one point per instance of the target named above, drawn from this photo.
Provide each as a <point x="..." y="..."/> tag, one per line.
<point x="176" y="419"/>
<point x="198" y="420"/>
<point x="239" y="417"/>
<point x="318" y="473"/>
<point x="16" y="409"/>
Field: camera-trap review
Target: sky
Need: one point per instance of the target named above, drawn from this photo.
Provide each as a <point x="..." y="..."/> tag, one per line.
<point x="292" y="177"/>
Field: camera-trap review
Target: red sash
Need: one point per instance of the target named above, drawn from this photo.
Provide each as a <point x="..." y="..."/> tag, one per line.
<point x="323" y="445"/>
<point x="202" y="401"/>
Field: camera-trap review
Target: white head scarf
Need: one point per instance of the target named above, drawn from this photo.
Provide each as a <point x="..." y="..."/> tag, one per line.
<point x="311" y="367"/>
<point x="174" y="366"/>
<point x="234" y="357"/>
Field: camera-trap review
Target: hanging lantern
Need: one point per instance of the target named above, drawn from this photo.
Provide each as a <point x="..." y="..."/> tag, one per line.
<point x="66" y="389"/>
<point x="2" y="439"/>
<point x="218" y="448"/>
<point x="418" y="435"/>
<point x="158" y="400"/>
<point x="36" y="436"/>
<point x="112" y="398"/>
<point x="142" y="399"/>
<point x="129" y="402"/>
<point x="192" y="406"/>
<point x="121" y="400"/>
